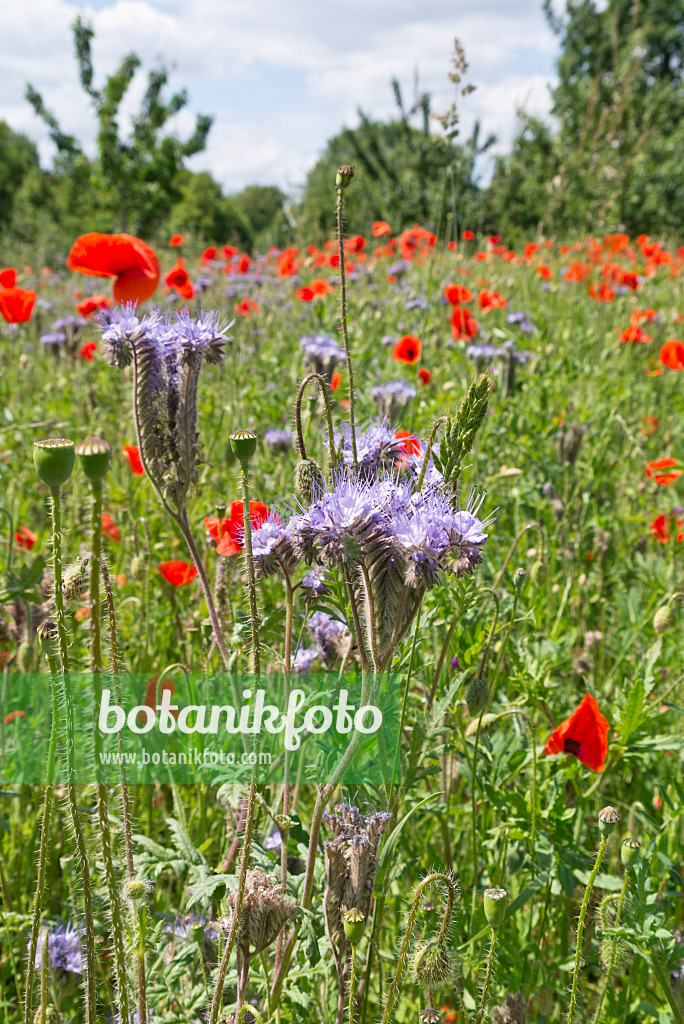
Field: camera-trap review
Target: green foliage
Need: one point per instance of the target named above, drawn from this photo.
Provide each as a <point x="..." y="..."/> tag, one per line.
<point x="206" y="213"/>
<point x="18" y="158"/>
<point x="263" y="208"/>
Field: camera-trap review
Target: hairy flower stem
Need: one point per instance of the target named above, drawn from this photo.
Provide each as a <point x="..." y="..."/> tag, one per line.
<point x="613" y="952"/>
<point x="663" y="981"/>
<point x="140" y="915"/>
<point x="118" y="935"/>
<point x="53" y="666"/>
<point x="580" y="928"/>
<point x="428" y="450"/>
<point x="452" y="893"/>
<point x="69" y="742"/>
<point x="184" y="527"/>
<point x="323" y="387"/>
<point x="352" y="986"/>
<point x="345" y="335"/>
<point x="488" y="976"/>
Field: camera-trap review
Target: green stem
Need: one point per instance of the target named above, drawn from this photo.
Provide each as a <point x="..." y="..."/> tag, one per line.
<point x="488" y="976"/>
<point x="141" y="926"/>
<point x="352" y="986"/>
<point x="323" y="387"/>
<point x="345" y="335"/>
<point x="580" y="928"/>
<point x="613" y="952"/>
<point x="664" y="983"/>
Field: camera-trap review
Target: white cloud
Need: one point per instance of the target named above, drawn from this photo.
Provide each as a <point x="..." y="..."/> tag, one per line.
<point x="280" y="78"/>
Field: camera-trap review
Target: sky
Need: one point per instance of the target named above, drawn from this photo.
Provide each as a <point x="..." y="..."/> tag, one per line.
<point x="280" y="77"/>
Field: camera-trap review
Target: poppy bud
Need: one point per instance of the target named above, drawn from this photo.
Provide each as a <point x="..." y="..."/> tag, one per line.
<point x="136" y="890"/>
<point x="197" y="932"/>
<point x="345" y="173"/>
<point x="608" y="818"/>
<point x="663" y="619"/>
<point x="495" y="903"/>
<point x="138" y="567"/>
<point x="519" y="577"/>
<point x="535" y="571"/>
<point x="50" y="1017"/>
<point x="94" y="453"/>
<point x="354" y="925"/>
<point x="243" y="444"/>
<point x="429" y="1016"/>
<point x="76" y="580"/>
<point x="543" y="1000"/>
<point x="26" y="657"/>
<point x="308" y="479"/>
<point x="476" y="695"/>
<point x="54" y="461"/>
<point x="433" y="965"/>
<point x="629" y="851"/>
<point x="486" y="723"/>
<point x="47" y="635"/>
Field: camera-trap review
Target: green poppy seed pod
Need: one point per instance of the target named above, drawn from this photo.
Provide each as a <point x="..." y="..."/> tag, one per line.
<point x="608" y="818"/>
<point x="354" y="922"/>
<point x="345" y="173"/>
<point x="519" y="577"/>
<point x="495" y="903"/>
<point x="54" y="461"/>
<point x="629" y="851"/>
<point x="663" y="619"/>
<point x="47" y="636"/>
<point x="95" y="454"/>
<point x="228" y="454"/>
<point x="476" y="695"/>
<point x="308" y="480"/>
<point x="429" y="1016"/>
<point x="243" y="444"/>
<point x="433" y="965"/>
<point x="26" y="657"/>
<point x="197" y="932"/>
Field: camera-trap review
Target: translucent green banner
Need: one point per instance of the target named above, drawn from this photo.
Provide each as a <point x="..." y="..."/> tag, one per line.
<point x="186" y="728"/>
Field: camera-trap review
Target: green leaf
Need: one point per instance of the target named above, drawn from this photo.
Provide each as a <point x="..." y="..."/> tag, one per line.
<point x="204" y="890"/>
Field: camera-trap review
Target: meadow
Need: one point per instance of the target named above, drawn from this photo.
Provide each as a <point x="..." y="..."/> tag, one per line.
<point x="488" y="514"/>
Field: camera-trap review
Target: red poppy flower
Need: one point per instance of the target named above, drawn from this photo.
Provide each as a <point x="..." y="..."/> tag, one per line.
<point x="305" y="294"/>
<point x="8" y="277"/>
<point x="12" y="716"/>
<point x="232" y="530"/>
<point x="209" y="254"/>
<point x="663" y="471"/>
<point x="152" y="697"/>
<point x="424" y="376"/>
<point x="463" y="325"/>
<point x="176" y="240"/>
<point x="87" y="351"/>
<point x="109" y="527"/>
<point x="129" y="260"/>
<point x="601" y="292"/>
<point x="672" y="354"/>
<point x="468" y="235"/>
<point x="651" y="424"/>
<point x="178" y="573"/>
<point x="246" y="307"/>
<point x="178" y="279"/>
<point x="409" y="442"/>
<point x="545" y="272"/>
<point x="25" y="538"/>
<point x="93" y="305"/>
<point x="134" y="461"/>
<point x="659" y="529"/>
<point x="457" y="293"/>
<point x="635" y="335"/>
<point x="321" y="286"/>
<point x="229" y="251"/>
<point x="335" y="380"/>
<point x="490" y="300"/>
<point x="81" y="614"/>
<point x="584" y="734"/>
<point x="357" y="243"/>
<point x="16" y="304"/>
<point x="408" y="349"/>
<point x="380" y="228"/>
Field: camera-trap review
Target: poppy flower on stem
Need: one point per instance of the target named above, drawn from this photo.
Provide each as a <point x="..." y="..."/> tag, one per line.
<point x="663" y="471"/>
<point x="109" y="528"/>
<point x="178" y="279"/>
<point x="635" y="334"/>
<point x="13" y="716"/>
<point x="87" y="351"/>
<point x="25" y="538"/>
<point x="468" y="235"/>
<point x="672" y="354"/>
<point x="407" y="350"/>
<point x="129" y="260"/>
<point x="457" y="293"/>
<point x="16" y="304"/>
<point x="176" y="240"/>
<point x="229" y="533"/>
<point x="8" y="277"/>
<point x="424" y="376"/>
<point x="380" y="228"/>
<point x="463" y="324"/>
<point x="178" y="573"/>
<point x="93" y="304"/>
<point x="409" y="442"/>
<point x="132" y="453"/>
<point x="335" y="380"/>
<point x="584" y="735"/>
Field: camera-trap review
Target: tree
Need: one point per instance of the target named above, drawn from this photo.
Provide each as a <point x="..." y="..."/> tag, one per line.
<point x="18" y="157"/>
<point x="138" y="176"/>
<point x="204" y="211"/>
<point x="263" y="207"/>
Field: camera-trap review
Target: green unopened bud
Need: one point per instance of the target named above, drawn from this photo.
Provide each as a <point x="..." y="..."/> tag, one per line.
<point x="26" y="657"/>
<point x="433" y="965"/>
<point x="354" y="922"/>
<point x="197" y="932"/>
<point x="495" y="903"/>
<point x="476" y="695"/>
<point x="243" y="444"/>
<point x="48" y="636"/>
<point x="308" y="480"/>
<point x="95" y="454"/>
<point x="345" y="173"/>
<point x="136" y="890"/>
<point x="519" y="577"/>
<point x="629" y="851"/>
<point x="49" y="1017"/>
<point x="535" y="571"/>
<point x="543" y="999"/>
<point x="663" y="619"/>
<point x="76" y="580"/>
<point x="608" y="818"/>
<point x="138" y="567"/>
<point x="486" y="722"/>
<point x="54" y="461"/>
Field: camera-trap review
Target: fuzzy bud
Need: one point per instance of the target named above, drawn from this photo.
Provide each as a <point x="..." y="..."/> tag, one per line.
<point x="519" y="577"/>
<point x="50" y="1017"/>
<point x="354" y="925"/>
<point x="485" y="723"/>
<point x="136" y="890"/>
<point x="663" y="619"/>
<point x="495" y="903"/>
<point x="433" y="965"/>
<point x="308" y="480"/>
<point x="629" y="851"/>
<point x="345" y="173"/>
<point x="138" y="567"/>
<point x="476" y="695"/>
<point x="54" y="461"/>
<point x="95" y="454"/>
<point x="544" y="999"/>
<point x="243" y="444"/>
<point x="76" y="580"/>
<point x="608" y="818"/>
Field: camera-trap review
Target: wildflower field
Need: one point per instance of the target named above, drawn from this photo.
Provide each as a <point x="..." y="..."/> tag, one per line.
<point x="447" y="476"/>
